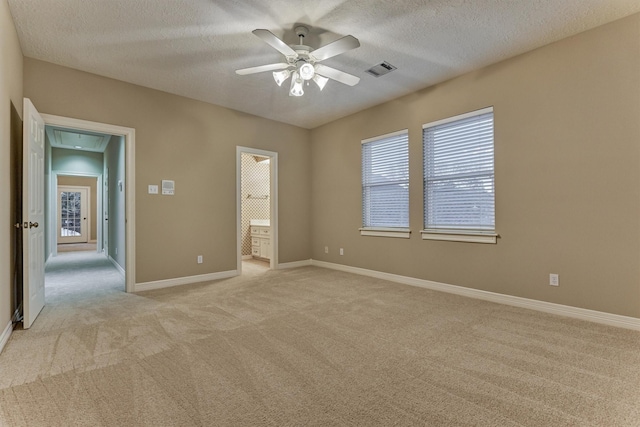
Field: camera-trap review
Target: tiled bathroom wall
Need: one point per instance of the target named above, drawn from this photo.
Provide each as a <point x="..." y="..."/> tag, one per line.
<point x="255" y="186"/>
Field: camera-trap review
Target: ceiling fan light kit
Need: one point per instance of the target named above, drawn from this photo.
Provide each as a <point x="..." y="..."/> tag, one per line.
<point x="281" y="76"/>
<point x="296" y="85"/>
<point x="302" y="61"/>
<point x="306" y="71"/>
<point x="320" y="81"/>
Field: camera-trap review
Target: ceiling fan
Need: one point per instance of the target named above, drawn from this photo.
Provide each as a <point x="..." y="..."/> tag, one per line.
<point x="302" y="62"/>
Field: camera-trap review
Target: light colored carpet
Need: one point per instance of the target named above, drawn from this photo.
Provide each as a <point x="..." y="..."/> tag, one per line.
<point x="312" y="347"/>
<point x="74" y="247"/>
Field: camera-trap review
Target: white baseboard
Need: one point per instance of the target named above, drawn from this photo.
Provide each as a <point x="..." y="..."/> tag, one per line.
<point x="159" y="284"/>
<point x="246" y="257"/>
<point x="5" y="335"/>
<point x="294" y="264"/>
<point x="117" y="266"/>
<point x="547" y="307"/>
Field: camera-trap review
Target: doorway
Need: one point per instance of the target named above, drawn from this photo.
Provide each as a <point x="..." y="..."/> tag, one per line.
<point x="39" y="187"/>
<point x="113" y="174"/>
<point x="78" y="160"/>
<point x="76" y="211"/>
<point x="257" y="217"/>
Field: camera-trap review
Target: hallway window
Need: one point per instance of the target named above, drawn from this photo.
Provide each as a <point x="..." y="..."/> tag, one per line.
<point x="70" y="213"/>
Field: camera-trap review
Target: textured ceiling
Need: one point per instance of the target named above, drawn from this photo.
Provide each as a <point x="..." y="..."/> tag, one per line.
<point x="77" y="140"/>
<point x="192" y="47"/>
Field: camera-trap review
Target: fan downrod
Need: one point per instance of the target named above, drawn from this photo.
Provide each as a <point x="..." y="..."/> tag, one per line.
<point x="301" y="31"/>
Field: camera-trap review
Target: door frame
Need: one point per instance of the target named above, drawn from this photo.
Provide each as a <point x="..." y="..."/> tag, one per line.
<point x="103" y="237"/>
<point x="129" y="135"/>
<point x="53" y="206"/>
<point x="86" y="227"/>
<point x="273" y="202"/>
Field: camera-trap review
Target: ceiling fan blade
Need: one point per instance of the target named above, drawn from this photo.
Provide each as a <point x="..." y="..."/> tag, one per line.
<point x="275" y="42"/>
<point x="335" y="48"/>
<point x="337" y="75"/>
<point x="262" y="68"/>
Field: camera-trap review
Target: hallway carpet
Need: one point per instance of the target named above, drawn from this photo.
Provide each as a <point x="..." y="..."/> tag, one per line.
<point x="311" y="347"/>
<point x="75" y="247"/>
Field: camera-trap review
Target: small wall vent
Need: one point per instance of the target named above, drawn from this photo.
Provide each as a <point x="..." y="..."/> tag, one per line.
<point x="381" y="69"/>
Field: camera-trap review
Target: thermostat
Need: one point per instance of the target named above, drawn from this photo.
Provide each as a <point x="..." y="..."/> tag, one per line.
<point x="168" y="187"/>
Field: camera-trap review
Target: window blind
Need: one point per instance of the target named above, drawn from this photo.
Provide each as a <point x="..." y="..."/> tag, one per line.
<point x="459" y="173"/>
<point x="385" y="181"/>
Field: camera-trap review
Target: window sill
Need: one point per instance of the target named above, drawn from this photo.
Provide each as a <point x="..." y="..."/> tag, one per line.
<point x="400" y="233"/>
<point x="460" y="236"/>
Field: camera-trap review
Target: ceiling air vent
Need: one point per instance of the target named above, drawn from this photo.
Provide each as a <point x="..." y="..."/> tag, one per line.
<point x="380" y="69"/>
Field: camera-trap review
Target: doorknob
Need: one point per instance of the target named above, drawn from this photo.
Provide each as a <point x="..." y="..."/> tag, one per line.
<point x="17" y="225"/>
<point x="33" y="224"/>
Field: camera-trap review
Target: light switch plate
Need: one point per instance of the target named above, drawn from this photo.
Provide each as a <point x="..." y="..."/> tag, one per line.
<point x="153" y="189"/>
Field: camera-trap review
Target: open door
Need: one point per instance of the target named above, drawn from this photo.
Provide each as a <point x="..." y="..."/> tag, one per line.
<point x="33" y="214"/>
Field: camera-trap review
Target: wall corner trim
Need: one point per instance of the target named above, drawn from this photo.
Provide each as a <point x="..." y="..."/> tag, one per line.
<point x="546" y="307"/>
<point x="118" y="267"/>
<point x="5" y="335"/>
<point x="179" y="281"/>
<point x="295" y="264"/>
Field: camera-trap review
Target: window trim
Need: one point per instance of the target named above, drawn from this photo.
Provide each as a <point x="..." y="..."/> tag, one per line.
<point x="400" y="233"/>
<point x="458" y="117"/>
<point x="393" y="232"/>
<point x="489" y="236"/>
<point x="386" y="135"/>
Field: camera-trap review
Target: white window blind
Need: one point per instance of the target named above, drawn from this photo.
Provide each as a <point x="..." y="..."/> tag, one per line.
<point x="459" y="173"/>
<point x="385" y="181"/>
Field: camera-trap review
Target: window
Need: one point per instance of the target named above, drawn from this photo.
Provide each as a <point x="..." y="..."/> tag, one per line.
<point x="385" y="185"/>
<point x="459" y="196"/>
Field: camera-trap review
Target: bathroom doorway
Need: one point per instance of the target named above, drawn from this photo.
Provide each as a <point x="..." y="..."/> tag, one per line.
<point x="257" y="214"/>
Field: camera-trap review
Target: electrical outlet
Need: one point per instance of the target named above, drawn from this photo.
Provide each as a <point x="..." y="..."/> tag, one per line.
<point x="341" y="251"/>
<point x="326" y="249"/>
<point x="554" y="280"/>
<point x="199" y="259"/>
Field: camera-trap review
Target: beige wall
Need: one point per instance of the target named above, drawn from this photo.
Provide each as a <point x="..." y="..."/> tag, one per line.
<point x="92" y="183"/>
<point x="567" y="161"/>
<point x="10" y="116"/>
<point x="194" y="144"/>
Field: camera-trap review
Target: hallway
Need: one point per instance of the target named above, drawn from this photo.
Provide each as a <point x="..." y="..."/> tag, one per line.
<point x="71" y="276"/>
